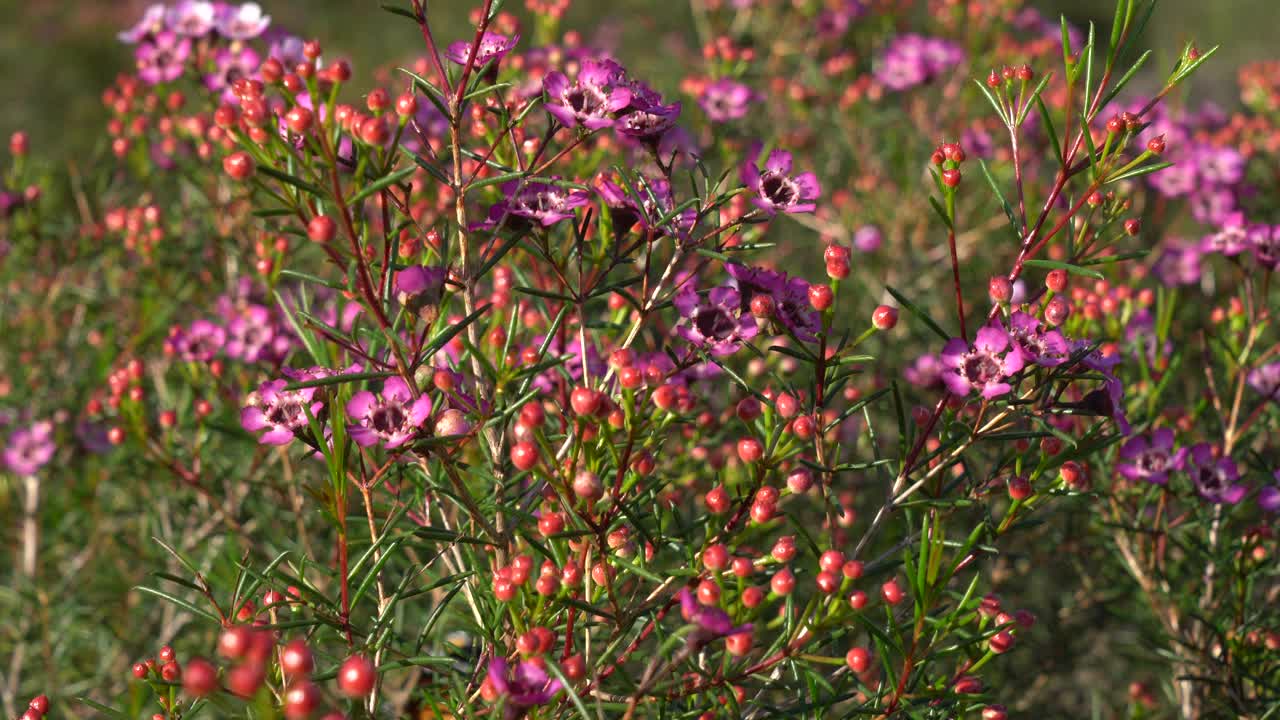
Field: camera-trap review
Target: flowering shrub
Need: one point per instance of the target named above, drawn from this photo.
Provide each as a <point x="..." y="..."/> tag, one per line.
<point x="512" y="386"/>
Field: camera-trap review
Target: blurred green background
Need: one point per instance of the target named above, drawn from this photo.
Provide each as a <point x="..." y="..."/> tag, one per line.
<point x="57" y="55"/>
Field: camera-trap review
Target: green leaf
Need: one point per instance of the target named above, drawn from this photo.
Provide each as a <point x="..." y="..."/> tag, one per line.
<point x="288" y="179"/>
<point x="1139" y="172"/>
<point x="399" y="11"/>
<point x="1049" y="128"/>
<point x="337" y="379"/>
<point x="382" y="183"/>
<point x="1008" y="210"/>
<point x="179" y="602"/>
<point x="919" y="313"/>
<point x="942" y="213"/>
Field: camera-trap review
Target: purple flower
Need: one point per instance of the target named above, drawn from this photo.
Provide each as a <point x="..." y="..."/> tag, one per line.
<point x="286" y="48"/>
<point x="1213" y="207"/>
<point x="712" y="622"/>
<point x="493" y="47"/>
<point x="1043" y="346"/>
<point x="1215" y="479"/>
<point x="867" y="238"/>
<point x="152" y="22"/>
<point x="1176" y="181"/>
<point x="243" y="22"/>
<point x="230" y="66"/>
<point x="1151" y="458"/>
<point x="193" y="18"/>
<point x="163" y="59"/>
<point x="1264" y="241"/>
<point x="1220" y="165"/>
<point x="925" y="371"/>
<point x="527" y="687"/>
<point x="776" y="189"/>
<point x="544" y="202"/>
<point x="725" y="100"/>
<point x="715" y="322"/>
<point x="30" y="448"/>
<point x="392" y="417"/>
<point x="655" y="202"/>
<point x="1231" y="239"/>
<point x="790" y="295"/>
<point x="252" y="335"/>
<point x="591" y="99"/>
<point x="984" y="366"/>
<point x="280" y="413"/>
<point x="200" y="342"/>
<point x="646" y="118"/>
<point x="912" y="60"/>
<point x="1266" y="380"/>
<point x="420" y="289"/>
<point x="1179" y="263"/>
<point x="1269" y="496"/>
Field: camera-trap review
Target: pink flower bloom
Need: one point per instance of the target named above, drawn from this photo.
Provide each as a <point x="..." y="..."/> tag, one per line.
<point x="777" y="190"/>
<point x="391" y="417"/>
<point x="526" y="687"/>
<point x="984" y="366"/>
<point x="30" y="448"/>
<point x="193" y="18"/>
<point x="1215" y="479"/>
<point x="493" y="47"/>
<point x="278" y="414"/>
<point x="152" y="22"/>
<point x="243" y="22"/>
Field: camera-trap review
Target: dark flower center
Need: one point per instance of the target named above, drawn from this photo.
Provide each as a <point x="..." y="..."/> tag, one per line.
<point x="980" y="368"/>
<point x="714" y="323"/>
<point x="779" y="189"/>
<point x="1210" y="481"/>
<point x="1152" y="462"/>
<point x="387" y="419"/>
<point x="287" y="413"/>
<point x="584" y="101"/>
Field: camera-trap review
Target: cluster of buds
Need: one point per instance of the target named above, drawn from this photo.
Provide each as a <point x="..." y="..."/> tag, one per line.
<point x="947" y="157"/>
<point x="1008" y="74"/>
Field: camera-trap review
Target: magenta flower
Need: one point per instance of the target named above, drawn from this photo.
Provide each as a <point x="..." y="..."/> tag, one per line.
<point x="230" y="66"/>
<point x="1231" y="239"/>
<point x="984" y="366"/>
<point x="30" y="448"/>
<point x="712" y="622"/>
<point x="527" y="687"/>
<point x="725" y="100"/>
<point x="925" y="371"/>
<point x="655" y="202"/>
<point x="252" y="335"/>
<point x="715" y="323"/>
<point x="1264" y="241"/>
<point x="1215" y="478"/>
<point x="1266" y="380"/>
<point x="912" y="60"/>
<point x="591" y="99"/>
<point x="790" y="295"/>
<point x="1151" y="457"/>
<point x="200" y="342"/>
<point x="193" y="18"/>
<point x="1269" y="496"/>
<point x="646" y="118"/>
<point x="543" y="202"/>
<point x="493" y="47"/>
<point x="152" y="22"/>
<point x="776" y="189"/>
<point x="868" y="238"/>
<point x="1040" y="345"/>
<point x="391" y="417"/>
<point x="278" y="414"/>
<point x="163" y="59"/>
<point x="243" y="22"/>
